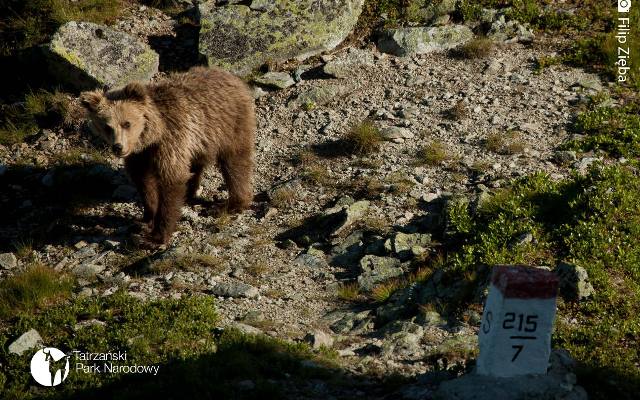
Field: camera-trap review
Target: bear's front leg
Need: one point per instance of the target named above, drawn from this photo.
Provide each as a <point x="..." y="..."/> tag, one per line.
<point x="140" y="170"/>
<point x="171" y="200"/>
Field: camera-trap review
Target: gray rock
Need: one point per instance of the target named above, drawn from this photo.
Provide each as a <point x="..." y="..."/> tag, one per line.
<point x="278" y="80"/>
<point x="345" y="321"/>
<point x="347" y="64"/>
<point x="8" y="261"/>
<point x="585" y="163"/>
<point x="246" y="329"/>
<point x="396" y="132"/>
<point x="262" y="5"/>
<point x="319" y="338"/>
<point x="431" y="318"/>
<point x="258" y="92"/>
<point x="310" y="260"/>
<point x="488" y="15"/>
<point x="558" y="384"/>
<point x="84" y="251"/>
<point x="403" y="344"/>
<point x="590" y="83"/>
<point x="349" y="250"/>
<point x="522" y="239"/>
<point x="427" y="11"/>
<point x="87" y="55"/>
<point x="87" y="270"/>
<point x="239" y="39"/>
<point x="399" y="302"/>
<point x="26" y="341"/>
<point x="422" y="40"/>
<point x="3" y="169"/>
<point x="88" y="323"/>
<point x="405" y="245"/>
<point x="319" y="96"/>
<point x="574" y="281"/>
<point x="565" y="157"/>
<point x="510" y="32"/>
<point x="235" y="289"/>
<point x="377" y="269"/>
<point x="253" y="317"/>
<point x="402" y="326"/>
<point x="345" y="216"/>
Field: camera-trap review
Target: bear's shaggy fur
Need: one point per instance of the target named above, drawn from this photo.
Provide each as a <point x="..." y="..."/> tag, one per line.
<point x="168" y="132"/>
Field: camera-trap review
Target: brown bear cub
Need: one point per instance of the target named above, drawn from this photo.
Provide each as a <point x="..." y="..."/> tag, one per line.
<point x="169" y="132"/>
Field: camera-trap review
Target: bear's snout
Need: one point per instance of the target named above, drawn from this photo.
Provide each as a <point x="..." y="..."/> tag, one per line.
<point x="117" y="149"/>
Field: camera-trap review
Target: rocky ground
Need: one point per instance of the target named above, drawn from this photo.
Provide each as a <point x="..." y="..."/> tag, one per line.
<point x="324" y="221"/>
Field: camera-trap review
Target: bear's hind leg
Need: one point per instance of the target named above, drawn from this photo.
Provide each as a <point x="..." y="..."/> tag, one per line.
<point x="237" y="171"/>
<point x="193" y="186"/>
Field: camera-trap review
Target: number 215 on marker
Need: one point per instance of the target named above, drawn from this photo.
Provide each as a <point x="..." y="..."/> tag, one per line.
<point x="520" y="322"/>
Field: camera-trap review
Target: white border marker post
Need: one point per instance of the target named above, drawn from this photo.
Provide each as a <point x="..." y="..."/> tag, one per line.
<point x="515" y="334"/>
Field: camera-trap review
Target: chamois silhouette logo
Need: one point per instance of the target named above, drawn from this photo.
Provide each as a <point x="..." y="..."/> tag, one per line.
<point x="49" y="366"/>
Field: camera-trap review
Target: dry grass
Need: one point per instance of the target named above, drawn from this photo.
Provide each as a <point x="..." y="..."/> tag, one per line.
<point x="189" y="262"/>
<point x="375" y="224"/>
<point x="349" y="291"/>
<point x="507" y="144"/>
<point x="383" y="291"/>
<point x="283" y="197"/>
<point x="24" y="249"/>
<point x="433" y="154"/>
<point x="316" y="174"/>
<point x="363" y="138"/>
<point x="258" y="268"/>
<point x="480" y="47"/>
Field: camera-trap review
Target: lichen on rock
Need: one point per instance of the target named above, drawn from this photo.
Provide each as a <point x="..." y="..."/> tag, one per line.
<point x="86" y="55"/>
<point x="241" y="39"/>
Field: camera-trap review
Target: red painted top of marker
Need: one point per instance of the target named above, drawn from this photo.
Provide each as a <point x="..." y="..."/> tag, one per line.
<point x="524" y="282"/>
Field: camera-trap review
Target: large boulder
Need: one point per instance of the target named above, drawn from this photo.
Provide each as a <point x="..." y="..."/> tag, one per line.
<point x="421" y="40"/>
<point x="86" y="55"/>
<point x="241" y="38"/>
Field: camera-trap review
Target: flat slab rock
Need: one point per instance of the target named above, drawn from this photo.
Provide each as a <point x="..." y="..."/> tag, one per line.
<point x="235" y="289"/>
<point x="26" y="341"/>
<point x="558" y="384"/>
<point x="86" y="55"/>
<point x="422" y="40"/>
<point x="240" y="38"/>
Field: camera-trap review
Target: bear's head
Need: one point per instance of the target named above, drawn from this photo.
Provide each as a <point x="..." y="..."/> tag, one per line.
<point x="119" y="117"/>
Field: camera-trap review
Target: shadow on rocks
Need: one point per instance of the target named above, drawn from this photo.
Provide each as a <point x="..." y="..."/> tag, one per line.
<point x="179" y="52"/>
<point x="44" y="205"/>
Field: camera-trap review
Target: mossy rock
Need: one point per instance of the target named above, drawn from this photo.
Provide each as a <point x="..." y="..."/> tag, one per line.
<point x="422" y="40"/>
<point x="240" y="39"/>
<point x="84" y="55"/>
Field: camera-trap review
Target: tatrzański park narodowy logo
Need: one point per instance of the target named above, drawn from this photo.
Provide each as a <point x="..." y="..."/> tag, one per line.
<point x="49" y="366"/>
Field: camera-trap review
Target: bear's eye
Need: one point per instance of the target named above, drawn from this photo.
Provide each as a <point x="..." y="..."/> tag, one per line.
<point x="126" y="125"/>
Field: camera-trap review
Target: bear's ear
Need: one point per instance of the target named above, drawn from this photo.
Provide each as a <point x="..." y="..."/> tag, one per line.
<point x="135" y="91"/>
<point x="91" y="100"/>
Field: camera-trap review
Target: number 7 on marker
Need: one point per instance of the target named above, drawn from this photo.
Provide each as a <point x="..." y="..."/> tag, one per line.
<point x="518" y="348"/>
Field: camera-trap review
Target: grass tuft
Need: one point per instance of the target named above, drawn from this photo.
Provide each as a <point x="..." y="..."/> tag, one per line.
<point x="480" y="47"/>
<point x="433" y="154"/>
<point x="349" y="291"/>
<point x="187" y="262"/>
<point x="363" y="138"/>
<point x="32" y="289"/>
